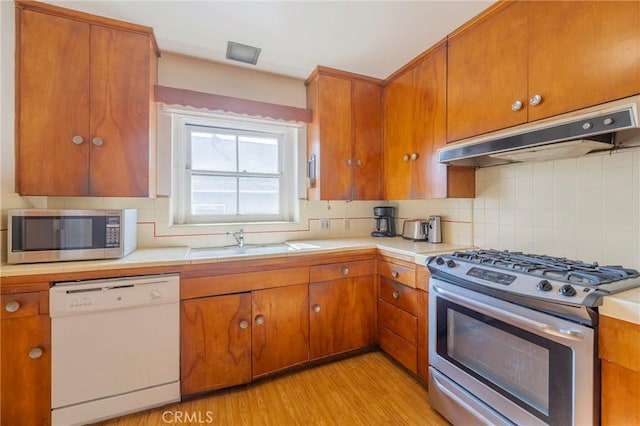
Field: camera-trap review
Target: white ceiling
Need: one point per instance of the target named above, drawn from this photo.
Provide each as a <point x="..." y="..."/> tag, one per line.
<point x="373" y="38"/>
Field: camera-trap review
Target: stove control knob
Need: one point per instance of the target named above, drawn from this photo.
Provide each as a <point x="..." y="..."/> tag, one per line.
<point x="439" y="261"/>
<point x="567" y="290"/>
<point x="451" y="263"/>
<point x="544" y="285"/>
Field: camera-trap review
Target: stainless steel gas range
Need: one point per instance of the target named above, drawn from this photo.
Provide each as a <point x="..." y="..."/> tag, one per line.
<point x="513" y="337"/>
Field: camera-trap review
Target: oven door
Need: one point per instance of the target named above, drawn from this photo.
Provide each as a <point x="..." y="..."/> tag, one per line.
<point x="510" y="362"/>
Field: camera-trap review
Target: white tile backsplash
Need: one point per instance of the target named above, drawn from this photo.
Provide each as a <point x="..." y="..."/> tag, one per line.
<point x="586" y="208"/>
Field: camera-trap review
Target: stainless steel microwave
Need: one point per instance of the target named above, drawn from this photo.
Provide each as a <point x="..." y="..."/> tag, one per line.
<point x="40" y="235"/>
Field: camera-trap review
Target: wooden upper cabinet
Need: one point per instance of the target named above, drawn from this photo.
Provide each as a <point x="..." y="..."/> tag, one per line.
<point x="84" y="110"/>
<point x="572" y="54"/>
<point x="414" y="130"/>
<point x="582" y="53"/>
<point x="398" y="137"/>
<point x="487" y="73"/>
<point x="345" y="136"/>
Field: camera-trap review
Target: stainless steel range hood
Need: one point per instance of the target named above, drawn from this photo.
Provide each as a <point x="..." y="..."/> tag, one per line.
<point x="566" y="136"/>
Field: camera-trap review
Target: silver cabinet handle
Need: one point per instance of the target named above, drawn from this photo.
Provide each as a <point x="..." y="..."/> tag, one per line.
<point x="260" y="319"/>
<point x="12" y="306"/>
<point x="244" y="324"/>
<point x="77" y="139"/>
<point x="516" y="106"/>
<point x="345" y="270"/>
<point x="359" y="163"/>
<point x="535" y="100"/>
<point x="395" y="274"/>
<point x="35" y="353"/>
<point x="97" y="141"/>
<point x="316" y="308"/>
<point x="405" y="158"/>
<point x="348" y="161"/>
<point x="395" y="294"/>
<point x="414" y="156"/>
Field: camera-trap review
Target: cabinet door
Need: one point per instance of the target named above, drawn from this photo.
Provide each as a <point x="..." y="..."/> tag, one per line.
<point x="429" y="177"/>
<point x="215" y="341"/>
<point x="334" y="111"/>
<point x="120" y="102"/>
<point x="367" y="140"/>
<point x="52" y="105"/>
<point x="26" y="381"/>
<point x="280" y="335"/>
<point x="582" y="53"/>
<point x="398" y="137"/>
<point x="487" y="73"/>
<point x="342" y="315"/>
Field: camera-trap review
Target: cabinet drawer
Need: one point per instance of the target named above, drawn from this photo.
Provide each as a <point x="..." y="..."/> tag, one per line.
<point x="400" y="349"/>
<point x="216" y="285"/>
<point x="20" y="305"/>
<point x="398" y="321"/>
<point x="399" y="295"/>
<point x="336" y="271"/>
<point x="402" y="274"/>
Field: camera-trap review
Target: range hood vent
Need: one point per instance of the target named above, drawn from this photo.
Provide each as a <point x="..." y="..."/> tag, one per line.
<point x="567" y="136"/>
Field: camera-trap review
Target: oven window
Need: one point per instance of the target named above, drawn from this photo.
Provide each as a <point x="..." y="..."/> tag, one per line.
<point x="530" y="370"/>
<point x="511" y="362"/>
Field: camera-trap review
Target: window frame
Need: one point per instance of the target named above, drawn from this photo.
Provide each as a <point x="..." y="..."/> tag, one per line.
<point x="288" y="134"/>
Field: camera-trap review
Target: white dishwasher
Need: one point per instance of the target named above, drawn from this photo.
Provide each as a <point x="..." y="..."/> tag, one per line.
<point x="115" y="347"/>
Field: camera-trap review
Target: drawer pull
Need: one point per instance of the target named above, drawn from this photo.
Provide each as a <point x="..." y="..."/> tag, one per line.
<point x="345" y="270"/>
<point x="244" y="324"/>
<point x="35" y="353"/>
<point x="316" y="308"/>
<point x="395" y="274"/>
<point x="12" y="306"/>
<point x="395" y="294"/>
<point x="260" y="319"/>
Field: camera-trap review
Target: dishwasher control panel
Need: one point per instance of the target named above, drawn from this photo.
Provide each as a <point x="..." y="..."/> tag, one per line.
<point x="69" y="298"/>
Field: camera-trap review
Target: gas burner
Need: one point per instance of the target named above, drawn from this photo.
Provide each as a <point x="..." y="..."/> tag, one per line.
<point x="557" y="268"/>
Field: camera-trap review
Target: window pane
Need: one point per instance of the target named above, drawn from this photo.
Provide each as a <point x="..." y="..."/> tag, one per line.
<point x="259" y="195"/>
<point x="212" y="151"/>
<point x="258" y="154"/>
<point x="213" y="195"/>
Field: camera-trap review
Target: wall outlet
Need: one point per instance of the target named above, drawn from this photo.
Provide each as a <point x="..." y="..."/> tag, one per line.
<point x="347" y="223"/>
<point x="325" y="223"/>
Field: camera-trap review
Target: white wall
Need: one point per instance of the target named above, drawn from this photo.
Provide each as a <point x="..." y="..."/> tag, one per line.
<point x="586" y="208"/>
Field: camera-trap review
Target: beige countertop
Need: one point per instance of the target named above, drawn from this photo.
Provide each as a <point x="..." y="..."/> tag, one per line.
<point x="167" y="256"/>
<point x="623" y="306"/>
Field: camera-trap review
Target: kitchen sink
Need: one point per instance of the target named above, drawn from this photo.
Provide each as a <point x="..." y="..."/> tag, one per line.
<point x="246" y="250"/>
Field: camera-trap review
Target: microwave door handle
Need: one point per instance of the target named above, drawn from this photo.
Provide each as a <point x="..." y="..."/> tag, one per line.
<point x="509" y="317"/>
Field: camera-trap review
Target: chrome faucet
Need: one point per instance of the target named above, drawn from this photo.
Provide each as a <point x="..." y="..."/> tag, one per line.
<point x="238" y="236"/>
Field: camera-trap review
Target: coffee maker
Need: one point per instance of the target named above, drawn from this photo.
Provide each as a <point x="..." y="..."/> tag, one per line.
<point x="385" y="222"/>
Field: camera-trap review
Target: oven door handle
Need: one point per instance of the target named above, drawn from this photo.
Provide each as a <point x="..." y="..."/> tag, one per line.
<point x="509" y="317"/>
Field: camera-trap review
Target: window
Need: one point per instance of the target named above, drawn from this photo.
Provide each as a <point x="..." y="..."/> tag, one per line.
<point x="234" y="170"/>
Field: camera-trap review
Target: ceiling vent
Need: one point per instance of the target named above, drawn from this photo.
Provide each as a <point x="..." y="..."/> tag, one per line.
<point x="242" y="53"/>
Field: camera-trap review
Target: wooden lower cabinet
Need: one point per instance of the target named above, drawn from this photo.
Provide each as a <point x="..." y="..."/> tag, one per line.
<point x="26" y="360"/>
<point x="398" y="322"/>
<point x="280" y="336"/>
<point x="342" y="308"/>
<point x="231" y="339"/>
<point x="619" y="350"/>
<point x="215" y="342"/>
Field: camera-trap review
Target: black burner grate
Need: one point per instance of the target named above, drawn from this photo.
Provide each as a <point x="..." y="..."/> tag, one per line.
<point x="558" y="268"/>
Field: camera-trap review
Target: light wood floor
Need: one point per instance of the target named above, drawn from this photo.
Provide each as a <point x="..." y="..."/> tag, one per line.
<point x="367" y="389"/>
